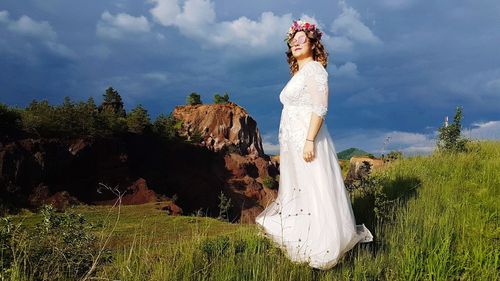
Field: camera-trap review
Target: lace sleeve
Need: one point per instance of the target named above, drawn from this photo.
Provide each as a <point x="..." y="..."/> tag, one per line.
<point x="317" y="89"/>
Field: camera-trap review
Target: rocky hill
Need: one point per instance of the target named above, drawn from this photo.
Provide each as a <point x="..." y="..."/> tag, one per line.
<point x="229" y="159"/>
<point x="221" y="126"/>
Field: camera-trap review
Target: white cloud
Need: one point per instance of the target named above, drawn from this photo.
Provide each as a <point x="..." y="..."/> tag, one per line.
<point x="483" y="130"/>
<point x="29" y="27"/>
<point x="197" y="19"/>
<point x="250" y="34"/>
<point x="60" y="49"/>
<point x="165" y="11"/>
<point x="381" y="142"/>
<point x="117" y="26"/>
<point x="340" y="44"/>
<point x="493" y="85"/>
<point x="410" y="143"/>
<point x="39" y="30"/>
<point x="348" y="69"/>
<point x="269" y="146"/>
<point x="194" y="20"/>
<point x="4" y="16"/>
<point x="158" y="76"/>
<point x="349" y="25"/>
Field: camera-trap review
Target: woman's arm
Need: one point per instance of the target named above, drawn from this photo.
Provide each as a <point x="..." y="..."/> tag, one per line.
<point x="314" y="126"/>
<point x="317" y="89"/>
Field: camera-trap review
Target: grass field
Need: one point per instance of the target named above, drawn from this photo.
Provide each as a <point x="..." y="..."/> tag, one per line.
<point x="444" y="225"/>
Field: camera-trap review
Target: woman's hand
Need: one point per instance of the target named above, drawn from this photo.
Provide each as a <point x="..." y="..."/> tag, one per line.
<point x="308" y="151"/>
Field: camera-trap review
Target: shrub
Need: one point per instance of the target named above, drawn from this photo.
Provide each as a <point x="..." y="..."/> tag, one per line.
<point x="195" y="136"/>
<point x="392" y="156"/>
<point x="167" y="126"/>
<point x="218" y="99"/>
<point x="214" y="247"/>
<point x="449" y="137"/>
<point x="224" y="206"/>
<point x="232" y="148"/>
<point x="193" y="99"/>
<point x="372" y="187"/>
<point x="60" y="247"/>
<point x="269" y="182"/>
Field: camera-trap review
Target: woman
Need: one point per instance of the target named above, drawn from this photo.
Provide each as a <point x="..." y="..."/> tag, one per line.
<point x="312" y="218"/>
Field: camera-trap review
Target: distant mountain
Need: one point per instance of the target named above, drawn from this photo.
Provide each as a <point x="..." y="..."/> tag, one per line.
<point x="350" y="152"/>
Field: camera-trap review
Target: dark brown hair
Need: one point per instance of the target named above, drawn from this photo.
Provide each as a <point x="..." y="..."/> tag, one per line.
<point x="319" y="52"/>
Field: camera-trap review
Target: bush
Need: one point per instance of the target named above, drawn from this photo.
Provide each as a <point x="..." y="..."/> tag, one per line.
<point x="392" y="156"/>
<point x="193" y="99"/>
<point x="371" y="187"/>
<point x="61" y="247"/>
<point x="224" y="206"/>
<point x="218" y="99"/>
<point x="232" y="148"/>
<point x="195" y="136"/>
<point x="213" y="247"/>
<point x="167" y="127"/>
<point x="269" y="182"/>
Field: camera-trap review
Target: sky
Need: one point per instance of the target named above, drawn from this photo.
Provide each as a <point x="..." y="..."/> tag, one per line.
<point x="396" y="67"/>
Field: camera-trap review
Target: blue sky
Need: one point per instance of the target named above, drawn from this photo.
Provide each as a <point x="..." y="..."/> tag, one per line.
<point x="396" y="67"/>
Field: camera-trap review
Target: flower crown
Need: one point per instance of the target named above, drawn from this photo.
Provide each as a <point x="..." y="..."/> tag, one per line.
<point x="300" y="25"/>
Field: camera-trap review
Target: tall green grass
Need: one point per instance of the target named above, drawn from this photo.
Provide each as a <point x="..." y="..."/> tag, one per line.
<point x="443" y="225"/>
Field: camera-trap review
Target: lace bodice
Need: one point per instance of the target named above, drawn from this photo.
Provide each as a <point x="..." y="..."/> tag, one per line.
<point x="304" y="94"/>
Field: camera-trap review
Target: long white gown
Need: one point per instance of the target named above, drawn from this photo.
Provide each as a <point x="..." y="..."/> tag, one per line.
<point x="311" y="219"/>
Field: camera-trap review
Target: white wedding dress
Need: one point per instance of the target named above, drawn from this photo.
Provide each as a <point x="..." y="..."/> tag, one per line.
<point x="311" y="219"/>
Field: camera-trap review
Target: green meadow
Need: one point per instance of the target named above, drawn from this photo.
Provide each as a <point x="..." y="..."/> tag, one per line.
<point x="434" y="217"/>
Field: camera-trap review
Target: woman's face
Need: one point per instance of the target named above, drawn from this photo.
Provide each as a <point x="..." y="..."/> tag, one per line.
<point x="300" y="46"/>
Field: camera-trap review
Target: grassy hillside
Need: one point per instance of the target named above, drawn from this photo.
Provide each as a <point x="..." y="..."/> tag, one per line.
<point x="443" y="225"/>
<point x="350" y="152"/>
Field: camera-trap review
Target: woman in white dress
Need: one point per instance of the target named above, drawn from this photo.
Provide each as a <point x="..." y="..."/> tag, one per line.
<point x="311" y="219"/>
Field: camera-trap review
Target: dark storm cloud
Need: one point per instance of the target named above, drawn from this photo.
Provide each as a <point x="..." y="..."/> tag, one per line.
<point x="397" y="67"/>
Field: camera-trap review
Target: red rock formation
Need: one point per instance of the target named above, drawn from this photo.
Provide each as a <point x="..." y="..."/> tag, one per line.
<point x="172" y="209"/>
<point x="230" y="160"/>
<point x="60" y="200"/>
<point x="221" y="125"/>
<point x="228" y="128"/>
<point x="137" y="193"/>
<point x="357" y="161"/>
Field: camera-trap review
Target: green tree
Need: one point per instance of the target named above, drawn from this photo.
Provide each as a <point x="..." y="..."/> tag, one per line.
<point x="10" y="120"/>
<point x="39" y="118"/>
<point x="449" y="137"/>
<point x="88" y="114"/>
<point x="218" y="99"/>
<point x="138" y="120"/>
<point x="166" y="126"/>
<point x="68" y="121"/>
<point x="112" y="114"/>
<point x="193" y="99"/>
<point x="113" y="102"/>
